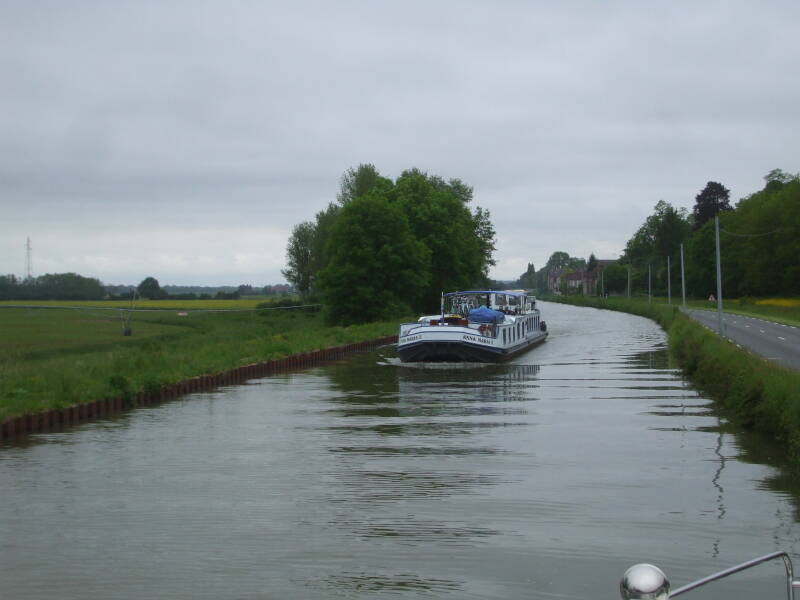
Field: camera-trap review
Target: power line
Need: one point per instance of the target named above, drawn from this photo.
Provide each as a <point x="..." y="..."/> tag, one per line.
<point x="750" y="234"/>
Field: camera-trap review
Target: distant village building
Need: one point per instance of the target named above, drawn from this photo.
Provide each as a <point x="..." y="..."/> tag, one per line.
<point x="579" y="281"/>
<point x="554" y="281"/>
<point x="575" y="281"/>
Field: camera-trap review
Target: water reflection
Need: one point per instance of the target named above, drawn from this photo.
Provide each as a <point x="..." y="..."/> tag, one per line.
<point x="416" y="450"/>
<point x="404" y="582"/>
<point x="419" y="530"/>
<point x="397" y="486"/>
<point x="412" y="429"/>
<point x="541" y="478"/>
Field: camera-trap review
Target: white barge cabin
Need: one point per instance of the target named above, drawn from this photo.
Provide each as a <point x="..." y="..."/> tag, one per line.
<point x="474" y="326"/>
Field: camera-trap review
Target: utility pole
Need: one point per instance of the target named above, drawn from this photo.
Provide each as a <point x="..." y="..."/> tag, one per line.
<point x="649" y="285"/>
<point x="629" y="281"/>
<point x="719" y="280"/>
<point x="683" y="280"/>
<point x="28" y="260"/>
<point x="602" y="285"/>
<point x="669" y="283"/>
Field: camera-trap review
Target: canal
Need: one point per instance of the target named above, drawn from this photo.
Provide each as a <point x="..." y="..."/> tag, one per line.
<point x="544" y="478"/>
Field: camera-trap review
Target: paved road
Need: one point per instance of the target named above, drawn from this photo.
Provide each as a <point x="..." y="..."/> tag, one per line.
<point x="773" y="341"/>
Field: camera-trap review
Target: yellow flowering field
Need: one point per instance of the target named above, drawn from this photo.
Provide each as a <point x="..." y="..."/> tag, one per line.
<point x="784" y="302"/>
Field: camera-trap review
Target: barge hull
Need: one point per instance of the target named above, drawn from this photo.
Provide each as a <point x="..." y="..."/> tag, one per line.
<point x="459" y="351"/>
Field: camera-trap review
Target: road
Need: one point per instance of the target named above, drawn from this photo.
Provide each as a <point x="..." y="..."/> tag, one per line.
<point x="774" y="341"/>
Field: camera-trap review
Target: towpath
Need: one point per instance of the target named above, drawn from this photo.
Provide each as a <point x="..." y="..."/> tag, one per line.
<point x="774" y="341"/>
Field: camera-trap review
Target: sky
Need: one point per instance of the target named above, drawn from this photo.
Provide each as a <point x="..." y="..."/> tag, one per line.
<point x="184" y="140"/>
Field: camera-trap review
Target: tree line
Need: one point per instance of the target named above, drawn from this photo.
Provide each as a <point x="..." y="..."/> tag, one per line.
<point x="759" y="245"/>
<point x="71" y="286"/>
<point x="759" y="242"/>
<point x="52" y="286"/>
<point x="390" y="247"/>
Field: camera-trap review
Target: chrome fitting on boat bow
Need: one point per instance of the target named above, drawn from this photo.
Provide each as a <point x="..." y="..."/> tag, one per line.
<point x="644" y="582"/>
<point x="648" y="582"/>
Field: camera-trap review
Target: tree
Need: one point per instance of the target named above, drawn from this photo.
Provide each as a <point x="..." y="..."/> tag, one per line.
<point x="761" y="242"/>
<point x="51" y="286"/>
<point x="558" y="261"/>
<point x="462" y="191"/>
<point x="460" y="248"/>
<point x="780" y="175"/>
<point x="615" y="278"/>
<point x="592" y="264"/>
<point x="658" y="239"/>
<point x="357" y="182"/>
<point x="298" y="269"/>
<point x="485" y="232"/>
<point x="377" y="269"/>
<point x="306" y="250"/>
<point x="149" y="288"/>
<point x="562" y="260"/>
<point x="223" y="295"/>
<point x="459" y="242"/>
<point x="709" y="202"/>
<point x="68" y="286"/>
<point x="9" y="287"/>
<point x="323" y="223"/>
<point x="700" y="258"/>
<point x="528" y="279"/>
<point x="659" y="236"/>
<point x="777" y="178"/>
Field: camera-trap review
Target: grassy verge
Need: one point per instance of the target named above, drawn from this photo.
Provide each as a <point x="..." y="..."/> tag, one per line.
<point x="56" y="358"/>
<point x="778" y="310"/>
<point x="752" y="391"/>
<point x="790" y="315"/>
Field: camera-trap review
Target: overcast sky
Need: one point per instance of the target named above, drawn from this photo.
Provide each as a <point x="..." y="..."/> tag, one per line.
<point x="183" y="140"/>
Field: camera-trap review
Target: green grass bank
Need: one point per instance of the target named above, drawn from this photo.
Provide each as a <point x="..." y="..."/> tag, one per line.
<point x="52" y="359"/>
<point x="790" y="314"/>
<point x="750" y="390"/>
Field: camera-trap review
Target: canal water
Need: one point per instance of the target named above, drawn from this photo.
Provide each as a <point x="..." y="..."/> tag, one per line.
<point x="368" y="478"/>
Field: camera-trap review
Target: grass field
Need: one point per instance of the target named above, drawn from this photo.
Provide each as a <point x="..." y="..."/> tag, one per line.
<point x="29" y="332"/>
<point x="245" y="303"/>
<point x="52" y="358"/>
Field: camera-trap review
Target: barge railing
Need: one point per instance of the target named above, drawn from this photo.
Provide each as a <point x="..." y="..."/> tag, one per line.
<point x="648" y="582"/>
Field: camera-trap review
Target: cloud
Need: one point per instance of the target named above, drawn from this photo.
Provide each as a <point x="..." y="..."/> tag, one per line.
<point x="200" y="134"/>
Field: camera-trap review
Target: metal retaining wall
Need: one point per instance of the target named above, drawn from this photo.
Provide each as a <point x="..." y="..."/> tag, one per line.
<point x="78" y="413"/>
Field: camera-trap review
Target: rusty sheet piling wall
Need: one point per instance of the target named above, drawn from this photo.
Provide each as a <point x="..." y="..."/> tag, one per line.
<point x="55" y="419"/>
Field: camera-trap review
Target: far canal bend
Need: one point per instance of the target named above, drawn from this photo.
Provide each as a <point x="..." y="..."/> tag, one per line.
<point x="370" y="478"/>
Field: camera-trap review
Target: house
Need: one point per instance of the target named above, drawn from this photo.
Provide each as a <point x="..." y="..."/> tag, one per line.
<point x="579" y="281"/>
<point x="592" y="280"/>
<point x="575" y="281"/>
<point x="554" y="281"/>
